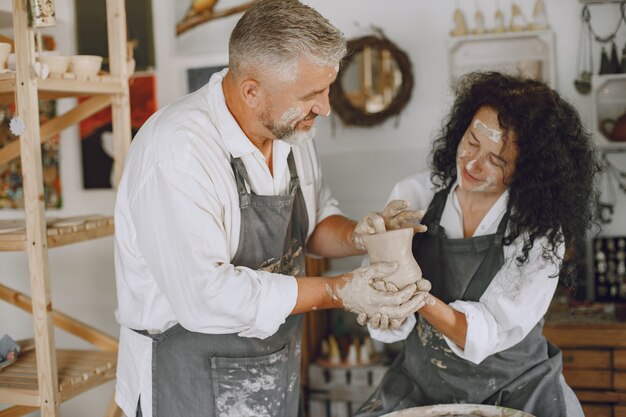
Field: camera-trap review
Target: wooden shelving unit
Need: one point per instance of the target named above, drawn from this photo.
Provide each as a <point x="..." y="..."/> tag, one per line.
<point x="594" y="360"/>
<point x="44" y="376"/>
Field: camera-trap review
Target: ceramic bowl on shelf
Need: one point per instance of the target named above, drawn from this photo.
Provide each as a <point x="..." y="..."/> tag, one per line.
<point x="88" y="65"/>
<point x="57" y="64"/>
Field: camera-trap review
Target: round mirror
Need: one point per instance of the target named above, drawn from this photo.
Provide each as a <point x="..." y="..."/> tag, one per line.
<point x="374" y="82"/>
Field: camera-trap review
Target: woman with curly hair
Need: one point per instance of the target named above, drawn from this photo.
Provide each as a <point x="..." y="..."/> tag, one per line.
<point x="511" y="186"/>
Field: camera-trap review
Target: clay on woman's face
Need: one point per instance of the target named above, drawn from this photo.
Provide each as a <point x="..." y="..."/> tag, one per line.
<point x="484" y="160"/>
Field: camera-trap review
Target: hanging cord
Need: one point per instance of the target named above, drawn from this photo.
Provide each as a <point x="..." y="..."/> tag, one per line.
<point x="585" y="48"/>
<point x="586" y="13"/>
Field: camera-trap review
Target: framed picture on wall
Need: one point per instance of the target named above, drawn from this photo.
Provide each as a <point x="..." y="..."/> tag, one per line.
<point x="197" y="77"/>
<point x="11" y="185"/>
<point x="97" y="137"/>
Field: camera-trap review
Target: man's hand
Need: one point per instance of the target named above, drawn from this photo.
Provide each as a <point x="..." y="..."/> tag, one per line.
<point x="361" y="296"/>
<point x="395" y="215"/>
<point x="421" y="297"/>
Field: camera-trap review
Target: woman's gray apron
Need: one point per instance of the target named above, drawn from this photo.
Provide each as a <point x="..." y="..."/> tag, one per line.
<point x="523" y="377"/>
<point x="220" y="375"/>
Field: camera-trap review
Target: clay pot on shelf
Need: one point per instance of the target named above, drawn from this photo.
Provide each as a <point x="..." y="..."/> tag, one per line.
<point x="614" y="130"/>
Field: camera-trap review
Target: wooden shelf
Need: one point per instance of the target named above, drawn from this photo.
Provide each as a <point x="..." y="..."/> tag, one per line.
<point x="585" y="332"/>
<point x="594" y="358"/>
<point x="59" y="231"/>
<point x="78" y="370"/>
<point x="68" y="85"/>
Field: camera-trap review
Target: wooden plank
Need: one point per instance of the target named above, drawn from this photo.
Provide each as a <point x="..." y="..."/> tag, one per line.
<point x="596" y="410"/>
<point x="81" y="87"/>
<point x="619" y="359"/>
<point x="600" y="396"/>
<point x="600" y="335"/>
<point x="78" y="370"/>
<point x="17" y="411"/>
<point x="27" y="106"/>
<point x="63" y="321"/>
<point x="618" y="410"/>
<point x="619" y="380"/>
<point x="586" y="359"/>
<point x="577" y="378"/>
<point x="66" y="239"/>
<point x="120" y="109"/>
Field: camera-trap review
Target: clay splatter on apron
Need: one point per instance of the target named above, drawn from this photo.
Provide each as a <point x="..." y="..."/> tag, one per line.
<point x="288" y="262"/>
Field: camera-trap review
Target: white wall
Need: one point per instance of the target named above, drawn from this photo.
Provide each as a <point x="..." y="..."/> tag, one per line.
<point x="360" y="164"/>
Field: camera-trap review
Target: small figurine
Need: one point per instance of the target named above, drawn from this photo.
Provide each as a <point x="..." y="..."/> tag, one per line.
<point x="334" y="355"/>
<point x="479" y="23"/>
<point x="352" y="358"/>
<point x="499" y="20"/>
<point x="540" y="18"/>
<point x="460" y="27"/>
<point x="518" y="21"/>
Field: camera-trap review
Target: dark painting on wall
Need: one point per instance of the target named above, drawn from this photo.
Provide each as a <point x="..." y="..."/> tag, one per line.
<point x="11" y="185"/>
<point x="91" y="30"/>
<point x="197" y="77"/>
<point x="97" y="137"/>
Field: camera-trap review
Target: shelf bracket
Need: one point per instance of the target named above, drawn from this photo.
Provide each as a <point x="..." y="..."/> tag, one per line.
<point x="58" y="124"/>
<point x="62" y="321"/>
<point x="17" y="411"/>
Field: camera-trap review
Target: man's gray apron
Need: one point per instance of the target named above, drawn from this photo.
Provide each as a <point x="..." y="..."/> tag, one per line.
<point x="524" y="377"/>
<point x="220" y="375"/>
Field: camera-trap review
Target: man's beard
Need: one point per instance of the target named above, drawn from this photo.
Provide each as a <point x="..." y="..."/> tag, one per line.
<point x="285" y="129"/>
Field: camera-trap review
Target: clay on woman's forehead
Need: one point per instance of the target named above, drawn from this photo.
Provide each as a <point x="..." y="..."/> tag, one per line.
<point x="494" y="134"/>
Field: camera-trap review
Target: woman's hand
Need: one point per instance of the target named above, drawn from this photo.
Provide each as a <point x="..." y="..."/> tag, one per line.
<point x="395" y="215"/>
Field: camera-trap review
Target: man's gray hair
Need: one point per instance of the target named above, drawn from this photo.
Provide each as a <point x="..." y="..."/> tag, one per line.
<point x="277" y="34"/>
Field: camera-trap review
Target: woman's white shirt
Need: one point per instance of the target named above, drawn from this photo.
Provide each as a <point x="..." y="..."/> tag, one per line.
<point x="513" y="303"/>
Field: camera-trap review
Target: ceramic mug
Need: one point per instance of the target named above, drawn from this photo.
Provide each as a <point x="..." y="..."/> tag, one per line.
<point x="614" y="130"/>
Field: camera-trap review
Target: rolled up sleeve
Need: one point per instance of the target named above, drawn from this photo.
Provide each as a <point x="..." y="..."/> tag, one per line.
<point x="511" y="306"/>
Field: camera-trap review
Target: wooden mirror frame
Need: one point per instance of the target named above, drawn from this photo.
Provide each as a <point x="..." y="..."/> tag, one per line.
<point x="352" y="115"/>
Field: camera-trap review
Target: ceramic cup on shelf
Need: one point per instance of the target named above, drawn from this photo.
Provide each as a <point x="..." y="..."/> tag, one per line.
<point x="5" y="50"/>
<point x="88" y="65"/>
<point x="57" y="64"/>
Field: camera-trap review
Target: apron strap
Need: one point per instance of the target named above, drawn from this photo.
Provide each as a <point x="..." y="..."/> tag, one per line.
<point x="241" y="176"/>
<point x="294" y="182"/>
<point x="436" y="206"/>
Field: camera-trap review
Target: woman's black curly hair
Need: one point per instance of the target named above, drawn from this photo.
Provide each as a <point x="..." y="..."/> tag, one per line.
<point x="553" y="191"/>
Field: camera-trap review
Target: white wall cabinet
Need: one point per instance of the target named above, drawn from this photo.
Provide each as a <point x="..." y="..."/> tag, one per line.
<point x="529" y="53"/>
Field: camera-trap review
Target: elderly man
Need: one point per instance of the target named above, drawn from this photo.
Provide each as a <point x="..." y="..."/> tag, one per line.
<point x="221" y="196"/>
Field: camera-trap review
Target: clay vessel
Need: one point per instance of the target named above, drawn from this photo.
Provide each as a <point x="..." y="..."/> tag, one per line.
<point x="394" y="246"/>
<point x="614" y="129"/>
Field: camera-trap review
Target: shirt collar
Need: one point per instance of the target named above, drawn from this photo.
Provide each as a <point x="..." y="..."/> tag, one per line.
<point x="494" y="214"/>
<point x="235" y="140"/>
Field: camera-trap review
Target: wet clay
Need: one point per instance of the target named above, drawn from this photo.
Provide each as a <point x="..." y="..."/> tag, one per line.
<point x="394" y="246"/>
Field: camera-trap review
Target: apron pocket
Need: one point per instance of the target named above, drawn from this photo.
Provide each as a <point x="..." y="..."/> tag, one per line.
<point x="250" y="387"/>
